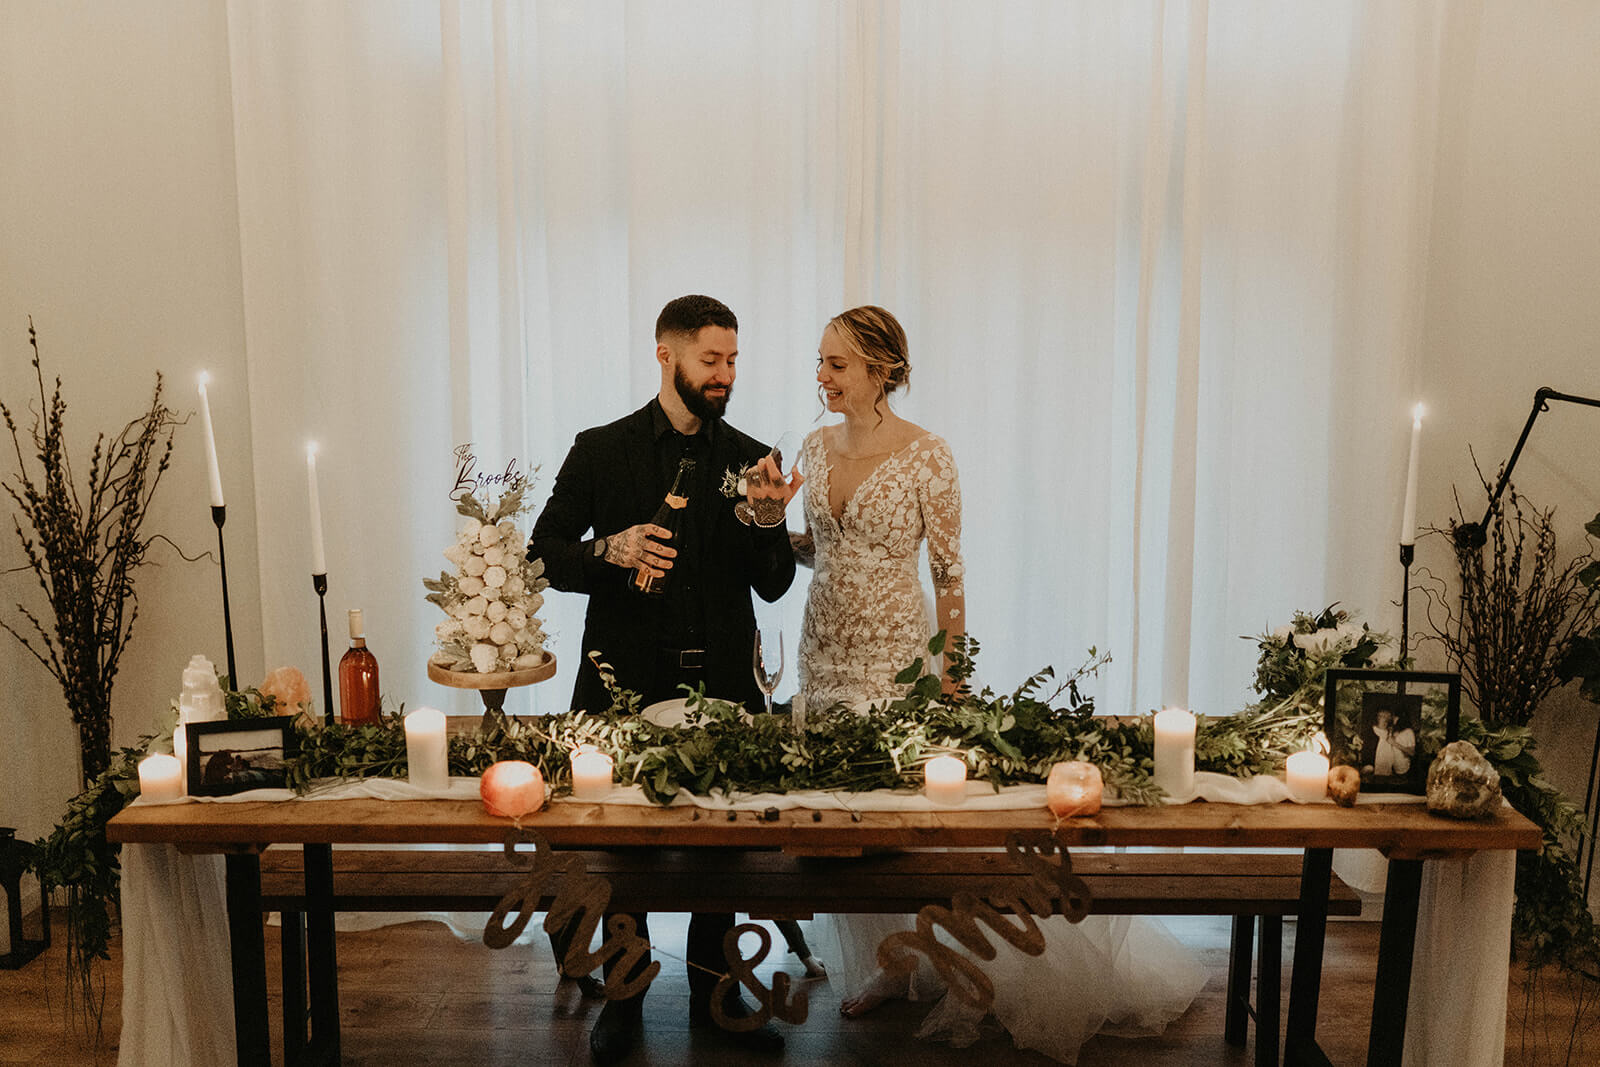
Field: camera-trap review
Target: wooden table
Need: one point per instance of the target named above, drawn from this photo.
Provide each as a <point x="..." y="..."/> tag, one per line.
<point x="1406" y="833"/>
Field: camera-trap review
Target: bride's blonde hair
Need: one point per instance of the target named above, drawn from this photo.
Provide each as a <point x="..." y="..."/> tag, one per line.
<point x="878" y="339"/>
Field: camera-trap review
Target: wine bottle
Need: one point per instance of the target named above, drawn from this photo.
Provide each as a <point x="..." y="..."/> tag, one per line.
<point x="669" y="516"/>
<point x="358" y="677"/>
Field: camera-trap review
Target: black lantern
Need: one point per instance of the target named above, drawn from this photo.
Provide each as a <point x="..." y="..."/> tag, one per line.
<point x="13" y="861"/>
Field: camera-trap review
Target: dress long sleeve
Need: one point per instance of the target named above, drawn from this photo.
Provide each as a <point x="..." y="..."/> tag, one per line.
<point x="939" y="493"/>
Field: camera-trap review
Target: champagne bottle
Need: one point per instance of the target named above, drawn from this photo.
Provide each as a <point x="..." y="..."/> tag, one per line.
<point x="669" y="516"/>
<point x="358" y="677"/>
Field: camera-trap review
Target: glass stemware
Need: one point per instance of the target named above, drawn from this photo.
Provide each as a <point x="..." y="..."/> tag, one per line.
<point x="768" y="510"/>
<point x="768" y="662"/>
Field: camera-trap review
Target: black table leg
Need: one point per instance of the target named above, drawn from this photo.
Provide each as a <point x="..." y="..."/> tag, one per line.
<point x="1235" y="1018"/>
<point x="293" y="930"/>
<point x="1305" y="981"/>
<point x="1269" y="990"/>
<point x="321" y="955"/>
<point x="1392" y="988"/>
<point x="249" y="959"/>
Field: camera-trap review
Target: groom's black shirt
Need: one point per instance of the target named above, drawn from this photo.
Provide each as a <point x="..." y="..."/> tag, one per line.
<point x="614" y="477"/>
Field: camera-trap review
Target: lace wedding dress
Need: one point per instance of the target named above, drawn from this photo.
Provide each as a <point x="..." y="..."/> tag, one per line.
<point x="866" y="619"/>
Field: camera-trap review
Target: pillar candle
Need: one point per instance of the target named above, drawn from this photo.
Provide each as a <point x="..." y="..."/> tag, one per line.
<point x="944" y="780"/>
<point x="319" y="563"/>
<point x="160" y="778"/>
<point x="180" y="751"/>
<point x="512" y="788"/>
<point x="591" y="773"/>
<point x="212" y="472"/>
<point x="1175" y="752"/>
<point x="1307" y="772"/>
<point x="1408" y="520"/>
<point x="1074" y="788"/>
<point x="427" y="753"/>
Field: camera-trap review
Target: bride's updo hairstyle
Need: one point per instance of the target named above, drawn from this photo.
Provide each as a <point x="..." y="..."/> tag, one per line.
<point x="877" y="337"/>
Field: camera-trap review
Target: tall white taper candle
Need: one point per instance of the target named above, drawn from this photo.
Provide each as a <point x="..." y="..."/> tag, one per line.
<point x="1408" y="520"/>
<point x="319" y="562"/>
<point x="212" y="472"/>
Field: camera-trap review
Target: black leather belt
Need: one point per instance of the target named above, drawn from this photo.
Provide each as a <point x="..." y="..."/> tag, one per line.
<point x="685" y="659"/>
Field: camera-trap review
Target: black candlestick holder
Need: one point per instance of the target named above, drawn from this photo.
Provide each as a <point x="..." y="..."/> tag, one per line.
<point x="319" y="582"/>
<point x="1408" y="553"/>
<point x="219" y="515"/>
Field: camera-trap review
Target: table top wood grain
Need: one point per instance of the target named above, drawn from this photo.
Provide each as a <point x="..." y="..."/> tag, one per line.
<point x="1403" y="830"/>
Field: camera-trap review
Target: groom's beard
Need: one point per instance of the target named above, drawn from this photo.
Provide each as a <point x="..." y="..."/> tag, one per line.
<point x="699" y="404"/>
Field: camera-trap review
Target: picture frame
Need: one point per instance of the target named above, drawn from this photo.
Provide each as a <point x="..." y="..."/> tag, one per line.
<point x="1389" y="724"/>
<point x="236" y="755"/>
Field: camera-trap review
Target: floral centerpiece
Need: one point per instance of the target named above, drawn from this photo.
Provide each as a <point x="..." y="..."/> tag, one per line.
<point x="493" y="599"/>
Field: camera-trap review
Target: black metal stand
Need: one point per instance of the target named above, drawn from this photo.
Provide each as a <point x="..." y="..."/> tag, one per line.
<point x="319" y="582"/>
<point x="1408" y="553"/>
<point x="219" y="515"/>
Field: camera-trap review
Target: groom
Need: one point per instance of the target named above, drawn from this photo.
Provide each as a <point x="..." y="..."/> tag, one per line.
<point x="703" y="628"/>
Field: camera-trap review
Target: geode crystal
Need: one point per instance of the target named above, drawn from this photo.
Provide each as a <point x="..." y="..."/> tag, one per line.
<point x="1462" y="784"/>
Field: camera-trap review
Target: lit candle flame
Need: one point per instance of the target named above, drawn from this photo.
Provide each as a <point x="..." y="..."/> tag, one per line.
<point x="1416" y="414"/>
<point x="311" y="448"/>
<point x="1318" y="744"/>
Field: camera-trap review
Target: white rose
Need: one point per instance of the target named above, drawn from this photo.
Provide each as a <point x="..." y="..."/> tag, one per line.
<point x="488" y="535"/>
<point x="514" y="585"/>
<point x="470" y="586"/>
<point x="494" y="577"/>
<point x="474" y="566"/>
<point x="476" y="626"/>
<point x="477" y="606"/>
<point x="1352" y="632"/>
<point x="517" y="618"/>
<point x="1283" y="633"/>
<point x="497" y="610"/>
<point x="1385" y="656"/>
<point x="500" y="633"/>
<point x="484" y="657"/>
<point x="514" y="543"/>
<point x="458" y="610"/>
<point x="508" y="653"/>
<point x="456" y="554"/>
<point x="528" y="661"/>
<point x="1319" y="643"/>
<point x="507" y="528"/>
<point x="493" y="557"/>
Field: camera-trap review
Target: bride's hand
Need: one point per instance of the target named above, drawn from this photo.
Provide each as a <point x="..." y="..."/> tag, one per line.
<point x="640" y="546"/>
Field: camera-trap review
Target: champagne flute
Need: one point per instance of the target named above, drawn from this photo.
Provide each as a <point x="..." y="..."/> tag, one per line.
<point x="767" y="510"/>
<point x="768" y="662"/>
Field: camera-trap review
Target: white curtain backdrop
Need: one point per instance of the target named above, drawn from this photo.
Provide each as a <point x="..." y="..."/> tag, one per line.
<point x="1160" y="265"/>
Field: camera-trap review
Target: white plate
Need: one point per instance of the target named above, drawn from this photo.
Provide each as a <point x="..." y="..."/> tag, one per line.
<point x="675" y="713"/>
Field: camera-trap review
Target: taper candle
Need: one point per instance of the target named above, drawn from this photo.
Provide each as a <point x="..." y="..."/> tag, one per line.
<point x="319" y="563"/>
<point x="1175" y="752"/>
<point x="427" y="752"/>
<point x="212" y="471"/>
<point x="1408" y="519"/>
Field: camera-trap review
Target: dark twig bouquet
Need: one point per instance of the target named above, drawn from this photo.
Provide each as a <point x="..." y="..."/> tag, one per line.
<point x="1521" y="610"/>
<point x="84" y="548"/>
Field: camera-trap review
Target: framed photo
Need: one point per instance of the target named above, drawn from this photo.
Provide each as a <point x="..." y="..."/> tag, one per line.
<point x="233" y="756"/>
<point x="1390" y="724"/>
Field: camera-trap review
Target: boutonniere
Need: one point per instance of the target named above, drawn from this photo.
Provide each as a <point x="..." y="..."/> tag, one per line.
<point x="733" y="484"/>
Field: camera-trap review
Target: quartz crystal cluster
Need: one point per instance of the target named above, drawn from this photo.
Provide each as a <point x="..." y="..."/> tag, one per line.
<point x="1462" y="784"/>
<point x="493" y="598"/>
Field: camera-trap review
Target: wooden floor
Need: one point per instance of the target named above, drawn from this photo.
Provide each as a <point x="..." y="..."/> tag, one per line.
<point x="417" y="994"/>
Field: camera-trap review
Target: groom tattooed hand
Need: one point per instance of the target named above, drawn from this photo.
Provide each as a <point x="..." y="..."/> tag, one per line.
<point x="640" y="546"/>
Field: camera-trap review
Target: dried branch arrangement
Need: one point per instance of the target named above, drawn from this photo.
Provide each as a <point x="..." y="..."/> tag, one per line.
<point x="83" y="548"/>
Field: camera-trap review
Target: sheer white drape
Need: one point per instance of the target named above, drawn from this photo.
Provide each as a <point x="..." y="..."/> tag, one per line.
<point x="1159" y="264"/>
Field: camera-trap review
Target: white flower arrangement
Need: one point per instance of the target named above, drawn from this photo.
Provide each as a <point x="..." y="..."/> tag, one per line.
<point x="492" y="600"/>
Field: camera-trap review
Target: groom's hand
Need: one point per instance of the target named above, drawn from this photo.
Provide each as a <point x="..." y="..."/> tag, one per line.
<point x="765" y="481"/>
<point x="641" y="546"/>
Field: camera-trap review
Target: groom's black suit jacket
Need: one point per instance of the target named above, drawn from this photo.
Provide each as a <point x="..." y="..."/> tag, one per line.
<point x="611" y="480"/>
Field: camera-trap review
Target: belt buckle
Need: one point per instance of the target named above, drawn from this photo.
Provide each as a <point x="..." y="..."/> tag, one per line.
<point x="691" y="659"/>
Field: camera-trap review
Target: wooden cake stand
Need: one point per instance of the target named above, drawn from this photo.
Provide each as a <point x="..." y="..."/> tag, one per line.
<point x="492" y="687"/>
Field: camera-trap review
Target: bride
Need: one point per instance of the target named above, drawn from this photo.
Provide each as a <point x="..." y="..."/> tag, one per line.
<point x="876" y="488"/>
